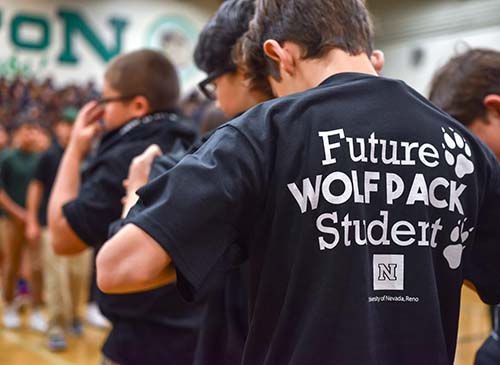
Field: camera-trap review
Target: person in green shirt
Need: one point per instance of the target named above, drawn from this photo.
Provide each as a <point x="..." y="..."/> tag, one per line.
<point x="15" y="175"/>
<point x="4" y="152"/>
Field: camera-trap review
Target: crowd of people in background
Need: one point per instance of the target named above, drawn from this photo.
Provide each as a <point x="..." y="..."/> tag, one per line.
<point x="43" y="101"/>
<point x="36" y="119"/>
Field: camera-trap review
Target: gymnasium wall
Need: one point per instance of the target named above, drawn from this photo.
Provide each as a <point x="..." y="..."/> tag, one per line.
<point x="72" y="41"/>
<point x="420" y="36"/>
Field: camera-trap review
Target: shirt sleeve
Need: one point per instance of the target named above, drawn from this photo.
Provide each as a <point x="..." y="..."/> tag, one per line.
<point x="98" y="204"/>
<point x="3" y="168"/>
<point x="198" y="210"/>
<point x="42" y="168"/>
<point x="483" y="268"/>
<point x="4" y="173"/>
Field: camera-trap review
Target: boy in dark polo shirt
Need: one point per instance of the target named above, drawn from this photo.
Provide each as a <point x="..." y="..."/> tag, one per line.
<point x="15" y="176"/>
<point x="138" y="108"/>
<point x="360" y="206"/>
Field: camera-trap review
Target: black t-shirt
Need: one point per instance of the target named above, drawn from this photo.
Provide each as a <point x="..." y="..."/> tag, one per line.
<point x="361" y="208"/>
<point x="224" y="326"/>
<point x="153" y="327"/>
<point x="45" y="172"/>
<point x="224" y="323"/>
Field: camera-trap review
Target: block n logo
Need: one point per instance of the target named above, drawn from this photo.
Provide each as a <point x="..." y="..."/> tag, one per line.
<point x="388" y="272"/>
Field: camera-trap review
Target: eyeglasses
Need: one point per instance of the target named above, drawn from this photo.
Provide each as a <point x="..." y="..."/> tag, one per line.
<point x="207" y="86"/>
<point x="113" y="99"/>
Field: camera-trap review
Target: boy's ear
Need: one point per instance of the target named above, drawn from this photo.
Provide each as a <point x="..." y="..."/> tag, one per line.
<point x="378" y="60"/>
<point x="281" y="55"/>
<point x="492" y="103"/>
<point x="141" y="105"/>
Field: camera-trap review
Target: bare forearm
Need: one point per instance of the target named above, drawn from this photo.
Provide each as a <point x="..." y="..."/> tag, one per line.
<point x="33" y="200"/>
<point x="66" y="188"/>
<point x="123" y="285"/>
<point x="67" y="182"/>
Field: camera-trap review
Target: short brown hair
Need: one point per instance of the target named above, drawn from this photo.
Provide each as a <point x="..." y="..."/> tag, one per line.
<point x="147" y="73"/>
<point x="460" y="86"/>
<point x="318" y="26"/>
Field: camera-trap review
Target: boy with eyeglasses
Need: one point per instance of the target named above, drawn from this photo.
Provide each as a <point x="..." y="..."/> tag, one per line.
<point x="138" y="108"/>
<point x="224" y="326"/>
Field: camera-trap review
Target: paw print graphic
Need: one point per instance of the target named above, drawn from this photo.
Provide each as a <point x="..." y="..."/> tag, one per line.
<point x="453" y="253"/>
<point x="460" y="157"/>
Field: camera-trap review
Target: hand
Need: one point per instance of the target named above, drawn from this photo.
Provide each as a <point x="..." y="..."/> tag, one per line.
<point x="140" y="168"/>
<point x="138" y="174"/>
<point x="20" y="215"/>
<point x="32" y="233"/>
<point x="86" y="128"/>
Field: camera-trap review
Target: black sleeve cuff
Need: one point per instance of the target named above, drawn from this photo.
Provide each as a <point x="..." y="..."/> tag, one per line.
<point x="188" y="281"/>
<point x="78" y="224"/>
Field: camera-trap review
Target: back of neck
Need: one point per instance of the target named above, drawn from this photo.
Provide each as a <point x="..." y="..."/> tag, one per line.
<point x="315" y="71"/>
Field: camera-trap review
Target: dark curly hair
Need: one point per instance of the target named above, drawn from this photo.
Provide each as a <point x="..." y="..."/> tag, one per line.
<point x="218" y="38"/>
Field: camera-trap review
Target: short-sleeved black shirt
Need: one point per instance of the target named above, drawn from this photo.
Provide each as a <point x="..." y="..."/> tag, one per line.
<point x="153" y="327"/>
<point x="224" y="323"/>
<point x="45" y="172"/>
<point x="361" y="208"/>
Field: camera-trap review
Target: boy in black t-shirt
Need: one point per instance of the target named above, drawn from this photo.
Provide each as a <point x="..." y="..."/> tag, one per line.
<point x="468" y="88"/>
<point x="360" y="206"/>
<point x="63" y="276"/>
<point x="138" y="108"/>
<point x="225" y="320"/>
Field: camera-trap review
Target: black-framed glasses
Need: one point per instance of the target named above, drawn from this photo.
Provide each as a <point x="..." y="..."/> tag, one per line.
<point x="113" y="99"/>
<point x="207" y="86"/>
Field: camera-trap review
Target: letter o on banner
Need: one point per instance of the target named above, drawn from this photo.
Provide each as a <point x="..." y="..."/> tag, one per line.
<point x="20" y="40"/>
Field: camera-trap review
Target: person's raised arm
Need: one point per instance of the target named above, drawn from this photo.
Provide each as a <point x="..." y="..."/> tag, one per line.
<point x="67" y="183"/>
<point x="132" y="261"/>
